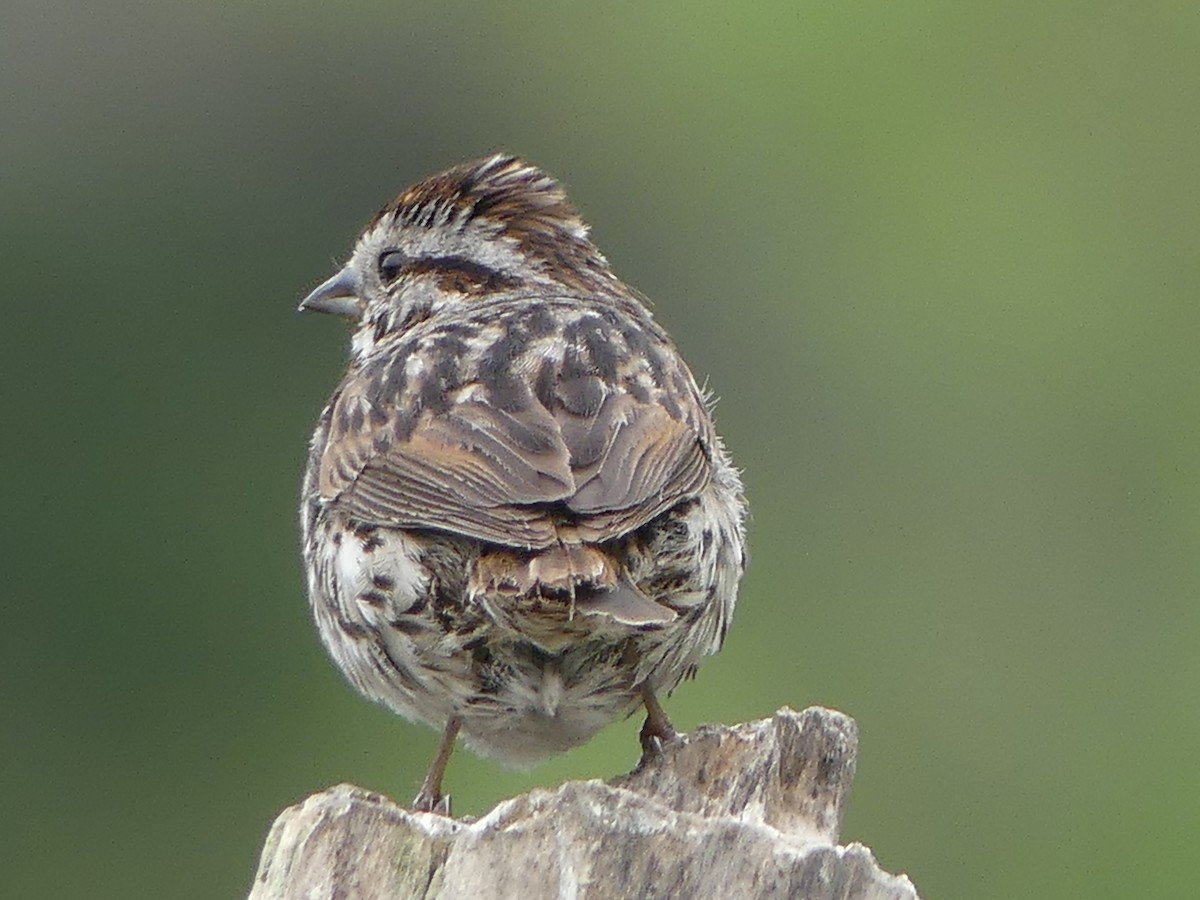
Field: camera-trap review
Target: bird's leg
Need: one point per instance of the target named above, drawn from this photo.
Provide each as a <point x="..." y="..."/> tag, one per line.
<point x="429" y="798"/>
<point x="658" y="729"/>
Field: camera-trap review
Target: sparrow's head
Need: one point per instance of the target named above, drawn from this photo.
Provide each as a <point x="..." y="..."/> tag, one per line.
<point x="490" y="227"/>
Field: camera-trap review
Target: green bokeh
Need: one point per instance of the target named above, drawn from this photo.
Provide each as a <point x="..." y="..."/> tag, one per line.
<point x="939" y="260"/>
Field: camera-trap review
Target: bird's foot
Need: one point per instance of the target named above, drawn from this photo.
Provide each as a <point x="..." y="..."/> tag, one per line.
<point x="657" y="731"/>
<point x="430" y="802"/>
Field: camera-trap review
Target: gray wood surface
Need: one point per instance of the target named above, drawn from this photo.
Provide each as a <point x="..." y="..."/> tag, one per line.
<point x="748" y="811"/>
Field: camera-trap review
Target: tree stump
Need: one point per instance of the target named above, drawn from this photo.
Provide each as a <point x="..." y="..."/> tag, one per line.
<point x="743" y="812"/>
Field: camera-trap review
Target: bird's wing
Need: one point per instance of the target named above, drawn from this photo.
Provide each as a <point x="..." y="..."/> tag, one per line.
<point x="517" y="462"/>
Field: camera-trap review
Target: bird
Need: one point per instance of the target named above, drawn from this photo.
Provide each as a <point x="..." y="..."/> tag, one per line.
<point x="518" y="523"/>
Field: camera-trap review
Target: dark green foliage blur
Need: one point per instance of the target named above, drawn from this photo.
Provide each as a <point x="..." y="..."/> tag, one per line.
<point x="938" y="260"/>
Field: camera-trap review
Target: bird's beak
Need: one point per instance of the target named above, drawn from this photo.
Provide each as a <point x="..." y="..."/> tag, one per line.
<point x="337" y="296"/>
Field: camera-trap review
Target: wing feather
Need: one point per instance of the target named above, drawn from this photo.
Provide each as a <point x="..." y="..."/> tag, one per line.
<point x="588" y="457"/>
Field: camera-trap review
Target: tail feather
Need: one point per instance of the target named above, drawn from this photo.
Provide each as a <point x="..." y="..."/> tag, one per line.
<point x="586" y="577"/>
<point x="624" y="603"/>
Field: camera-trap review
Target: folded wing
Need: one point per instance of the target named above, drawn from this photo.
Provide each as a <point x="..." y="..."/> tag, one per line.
<point x="584" y="459"/>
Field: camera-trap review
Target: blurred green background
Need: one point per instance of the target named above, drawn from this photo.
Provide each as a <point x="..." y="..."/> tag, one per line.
<point x="939" y="260"/>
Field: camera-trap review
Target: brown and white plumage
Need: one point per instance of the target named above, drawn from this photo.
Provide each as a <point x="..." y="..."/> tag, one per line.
<point x="517" y="519"/>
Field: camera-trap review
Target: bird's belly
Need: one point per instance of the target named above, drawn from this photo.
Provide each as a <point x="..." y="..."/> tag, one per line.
<point x="544" y="704"/>
<point x="526" y="678"/>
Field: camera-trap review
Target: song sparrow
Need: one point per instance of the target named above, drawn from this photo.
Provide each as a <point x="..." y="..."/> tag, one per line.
<point x="518" y="522"/>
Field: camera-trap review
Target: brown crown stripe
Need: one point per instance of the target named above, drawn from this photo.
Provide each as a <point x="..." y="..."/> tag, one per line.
<point x="526" y="205"/>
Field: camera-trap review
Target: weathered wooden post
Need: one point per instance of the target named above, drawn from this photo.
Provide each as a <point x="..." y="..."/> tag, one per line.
<point x="744" y="812"/>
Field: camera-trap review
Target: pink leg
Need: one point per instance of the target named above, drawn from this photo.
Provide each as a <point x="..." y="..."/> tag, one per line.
<point x="429" y="798"/>
<point x="658" y="729"/>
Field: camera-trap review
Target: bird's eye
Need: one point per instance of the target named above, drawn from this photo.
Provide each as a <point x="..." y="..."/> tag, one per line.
<point x="391" y="262"/>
